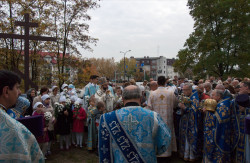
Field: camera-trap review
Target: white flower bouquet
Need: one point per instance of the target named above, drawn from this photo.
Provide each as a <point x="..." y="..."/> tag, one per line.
<point x="65" y="90"/>
<point x="68" y="101"/>
<point x="77" y="105"/>
<point x="47" y="116"/>
<point x="58" y="109"/>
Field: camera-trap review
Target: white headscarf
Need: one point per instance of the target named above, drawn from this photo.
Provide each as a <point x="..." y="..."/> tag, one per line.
<point x="44" y="97"/>
<point x="36" y="105"/>
<point x="62" y="99"/>
<point x="64" y="85"/>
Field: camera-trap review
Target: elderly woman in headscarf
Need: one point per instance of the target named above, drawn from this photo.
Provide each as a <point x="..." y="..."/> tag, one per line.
<point x="31" y="94"/>
<point x="54" y="95"/>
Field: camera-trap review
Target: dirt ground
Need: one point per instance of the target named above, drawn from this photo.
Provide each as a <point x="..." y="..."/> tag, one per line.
<point x="82" y="155"/>
<point x="73" y="155"/>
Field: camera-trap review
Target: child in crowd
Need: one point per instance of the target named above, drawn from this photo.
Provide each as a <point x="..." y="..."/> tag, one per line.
<point x="118" y="92"/>
<point x="42" y="140"/>
<point x="73" y="99"/>
<point x="48" y="108"/>
<point x="100" y="108"/>
<point x="91" y="124"/>
<point x="79" y="115"/>
<point x="63" y="123"/>
<point x="118" y="98"/>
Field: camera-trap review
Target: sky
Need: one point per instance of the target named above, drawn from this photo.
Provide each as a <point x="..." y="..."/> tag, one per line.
<point x="146" y="27"/>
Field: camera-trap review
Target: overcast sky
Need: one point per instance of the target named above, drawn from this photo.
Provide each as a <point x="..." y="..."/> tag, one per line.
<point x="146" y="27"/>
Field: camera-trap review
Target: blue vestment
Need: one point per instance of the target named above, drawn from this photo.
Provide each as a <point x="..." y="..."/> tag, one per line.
<point x="189" y="125"/>
<point x="218" y="139"/>
<point x="241" y="145"/>
<point x="92" y="134"/>
<point x="111" y="90"/>
<point x="144" y="129"/>
<point x="17" y="143"/>
<point x="90" y="90"/>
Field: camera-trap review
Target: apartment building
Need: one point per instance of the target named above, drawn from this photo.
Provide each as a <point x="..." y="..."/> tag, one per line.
<point x="157" y="66"/>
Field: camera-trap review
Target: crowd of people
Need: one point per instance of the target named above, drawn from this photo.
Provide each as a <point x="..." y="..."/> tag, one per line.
<point x="198" y="120"/>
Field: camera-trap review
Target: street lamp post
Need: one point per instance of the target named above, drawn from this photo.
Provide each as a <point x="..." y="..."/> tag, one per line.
<point x="124" y="60"/>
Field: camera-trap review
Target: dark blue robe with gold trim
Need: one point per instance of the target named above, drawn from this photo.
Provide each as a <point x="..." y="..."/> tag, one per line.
<point x="218" y="139"/>
<point x="189" y="125"/>
<point x="240" y="148"/>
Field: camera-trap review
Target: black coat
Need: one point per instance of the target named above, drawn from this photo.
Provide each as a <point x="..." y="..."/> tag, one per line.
<point x="63" y="122"/>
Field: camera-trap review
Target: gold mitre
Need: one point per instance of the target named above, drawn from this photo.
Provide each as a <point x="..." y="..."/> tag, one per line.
<point x="210" y="105"/>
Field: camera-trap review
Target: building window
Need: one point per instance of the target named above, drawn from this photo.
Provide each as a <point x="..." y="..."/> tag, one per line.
<point x="164" y="66"/>
<point x="164" y="72"/>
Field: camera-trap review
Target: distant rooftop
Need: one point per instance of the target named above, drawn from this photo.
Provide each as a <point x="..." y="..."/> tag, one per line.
<point x="146" y="57"/>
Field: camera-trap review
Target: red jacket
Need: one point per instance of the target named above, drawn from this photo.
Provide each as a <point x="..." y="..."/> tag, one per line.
<point x="78" y="124"/>
<point x="204" y="96"/>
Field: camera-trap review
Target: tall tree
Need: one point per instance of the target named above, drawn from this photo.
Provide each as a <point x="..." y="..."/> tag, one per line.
<point x="85" y="70"/>
<point x="104" y="67"/>
<point x="63" y="19"/>
<point x="70" y="18"/>
<point x="8" y="14"/>
<point x="220" y="42"/>
<point x="130" y="67"/>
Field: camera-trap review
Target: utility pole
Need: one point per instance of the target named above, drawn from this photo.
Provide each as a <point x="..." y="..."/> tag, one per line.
<point x="124" y="60"/>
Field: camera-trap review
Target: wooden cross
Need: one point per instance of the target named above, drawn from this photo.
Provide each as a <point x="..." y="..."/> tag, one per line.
<point x="26" y="37"/>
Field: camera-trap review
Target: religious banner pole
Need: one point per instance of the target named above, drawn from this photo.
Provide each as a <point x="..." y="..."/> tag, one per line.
<point x="26" y="38"/>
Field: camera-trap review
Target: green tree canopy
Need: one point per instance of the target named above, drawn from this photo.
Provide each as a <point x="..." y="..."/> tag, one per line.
<point x="219" y="44"/>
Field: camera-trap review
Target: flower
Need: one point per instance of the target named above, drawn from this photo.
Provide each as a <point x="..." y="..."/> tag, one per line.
<point x="47" y="116"/>
<point x="77" y="104"/>
<point x="59" y="107"/>
<point x="56" y="104"/>
<point x="68" y="101"/>
<point x="77" y="107"/>
<point x="65" y="90"/>
<point x="87" y="98"/>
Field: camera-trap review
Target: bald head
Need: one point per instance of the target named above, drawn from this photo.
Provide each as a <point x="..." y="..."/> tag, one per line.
<point x="131" y="93"/>
<point x="220" y="87"/>
<point x="153" y="85"/>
